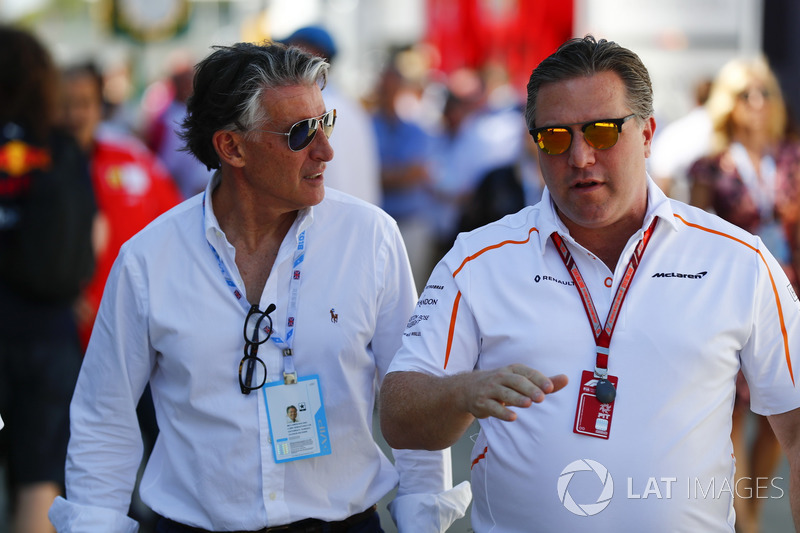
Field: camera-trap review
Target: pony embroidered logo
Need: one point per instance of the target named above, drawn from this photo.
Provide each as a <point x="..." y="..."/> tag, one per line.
<point x="334" y="316"/>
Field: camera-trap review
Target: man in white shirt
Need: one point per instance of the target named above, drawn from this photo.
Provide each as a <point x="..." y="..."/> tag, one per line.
<point x="604" y="399"/>
<point x="314" y="286"/>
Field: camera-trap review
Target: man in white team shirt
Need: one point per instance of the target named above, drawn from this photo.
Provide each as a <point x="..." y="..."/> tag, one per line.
<point x="640" y="309"/>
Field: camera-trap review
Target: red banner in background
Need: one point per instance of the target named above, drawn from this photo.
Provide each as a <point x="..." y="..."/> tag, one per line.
<point x="515" y="33"/>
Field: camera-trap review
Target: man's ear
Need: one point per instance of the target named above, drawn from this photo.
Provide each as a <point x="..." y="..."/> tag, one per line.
<point x="229" y="147"/>
<point x="649" y="132"/>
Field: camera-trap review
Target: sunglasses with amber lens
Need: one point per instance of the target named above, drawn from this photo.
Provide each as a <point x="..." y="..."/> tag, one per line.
<point x="303" y="132"/>
<point x="600" y="134"/>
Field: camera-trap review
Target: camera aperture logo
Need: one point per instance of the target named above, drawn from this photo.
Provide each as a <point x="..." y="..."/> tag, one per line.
<point x="585" y="509"/>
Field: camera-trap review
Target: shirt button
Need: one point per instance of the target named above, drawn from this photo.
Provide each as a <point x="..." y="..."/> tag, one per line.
<point x="273" y="496"/>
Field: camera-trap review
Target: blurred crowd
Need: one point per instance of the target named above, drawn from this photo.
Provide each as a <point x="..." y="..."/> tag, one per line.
<point x="441" y="153"/>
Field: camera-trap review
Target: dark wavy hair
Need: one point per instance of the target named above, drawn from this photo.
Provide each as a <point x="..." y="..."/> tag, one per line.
<point x="229" y="86"/>
<point x="28" y="83"/>
<point x="586" y="57"/>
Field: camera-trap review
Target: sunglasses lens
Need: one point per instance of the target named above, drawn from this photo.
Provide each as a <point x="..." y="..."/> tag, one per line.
<point x="554" y="141"/>
<point x="328" y="120"/>
<point x="302" y="134"/>
<point x="601" y="135"/>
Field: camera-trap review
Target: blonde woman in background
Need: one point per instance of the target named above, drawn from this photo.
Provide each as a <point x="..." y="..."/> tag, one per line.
<point x="751" y="180"/>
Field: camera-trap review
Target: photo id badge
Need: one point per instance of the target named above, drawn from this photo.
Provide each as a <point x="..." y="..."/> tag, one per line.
<point x="593" y="418"/>
<point x="297" y="420"/>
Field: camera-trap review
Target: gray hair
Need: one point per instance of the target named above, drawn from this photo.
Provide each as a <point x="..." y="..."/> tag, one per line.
<point x="586" y="57"/>
<point x="229" y="87"/>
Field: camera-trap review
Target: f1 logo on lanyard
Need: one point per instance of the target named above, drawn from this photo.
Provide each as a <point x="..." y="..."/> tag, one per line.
<point x="598" y="389"/>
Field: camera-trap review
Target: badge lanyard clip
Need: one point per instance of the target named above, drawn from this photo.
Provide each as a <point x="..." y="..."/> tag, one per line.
<point x="289" y="373"/>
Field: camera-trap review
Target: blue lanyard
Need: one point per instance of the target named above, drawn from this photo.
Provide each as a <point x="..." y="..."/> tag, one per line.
<point x="285" y="345"/>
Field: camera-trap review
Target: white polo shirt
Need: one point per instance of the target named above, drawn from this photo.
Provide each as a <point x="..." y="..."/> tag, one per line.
<point x="707" y="298"/>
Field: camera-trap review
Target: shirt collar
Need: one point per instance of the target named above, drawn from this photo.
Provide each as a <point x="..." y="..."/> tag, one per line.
<point x="210" y="223"/>
<point x="658" y="205"/>
<point x="305" y="217"/>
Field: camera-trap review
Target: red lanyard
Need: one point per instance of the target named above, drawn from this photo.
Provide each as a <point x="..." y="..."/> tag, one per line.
<point x="602" y="335"/>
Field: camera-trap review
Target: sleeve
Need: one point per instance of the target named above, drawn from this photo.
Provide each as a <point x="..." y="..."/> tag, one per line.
<point x="770" y="359"/>
<point x="442" y="337"/>
<point x="426" y="500"/>
<point x="105" y="447"/>
<point x="397" y="295"/>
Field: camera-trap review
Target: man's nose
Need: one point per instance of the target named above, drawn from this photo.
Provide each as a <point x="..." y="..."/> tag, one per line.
<point x="320" y="147"/>
<point x="581" y="154"/>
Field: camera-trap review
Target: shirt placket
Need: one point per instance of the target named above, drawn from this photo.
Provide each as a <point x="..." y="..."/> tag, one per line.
<point x="273" y="475"/>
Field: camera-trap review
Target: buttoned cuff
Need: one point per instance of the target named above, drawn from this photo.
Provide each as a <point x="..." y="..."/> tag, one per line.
<point x="430" y="513"/>
<point x="68" y="517"/>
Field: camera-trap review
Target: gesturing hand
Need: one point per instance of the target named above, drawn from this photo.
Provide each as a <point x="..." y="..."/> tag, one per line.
<point x="486" y="393"/>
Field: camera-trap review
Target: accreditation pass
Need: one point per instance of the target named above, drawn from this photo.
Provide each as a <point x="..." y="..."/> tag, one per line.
<point x="297" y="419"/>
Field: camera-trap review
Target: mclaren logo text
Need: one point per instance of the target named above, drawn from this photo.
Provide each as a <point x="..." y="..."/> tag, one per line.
<point x="699" y="275"/>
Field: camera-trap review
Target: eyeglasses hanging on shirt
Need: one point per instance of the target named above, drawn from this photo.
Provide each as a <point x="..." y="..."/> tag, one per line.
<point x="257" y="331"/>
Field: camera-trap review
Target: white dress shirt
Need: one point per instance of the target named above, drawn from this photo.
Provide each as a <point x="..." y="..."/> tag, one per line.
<point x="168" y="317"/>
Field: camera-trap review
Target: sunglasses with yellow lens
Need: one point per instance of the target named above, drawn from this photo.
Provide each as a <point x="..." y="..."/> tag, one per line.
<point x="600" y="134"/>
